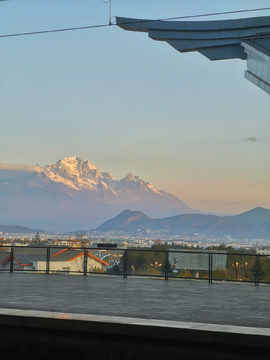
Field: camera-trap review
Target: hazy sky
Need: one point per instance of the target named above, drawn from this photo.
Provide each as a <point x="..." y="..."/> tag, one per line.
<point x="129" y="104"/>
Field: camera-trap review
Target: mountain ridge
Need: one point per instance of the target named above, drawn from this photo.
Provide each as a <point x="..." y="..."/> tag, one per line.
<point x="248" y="224"/>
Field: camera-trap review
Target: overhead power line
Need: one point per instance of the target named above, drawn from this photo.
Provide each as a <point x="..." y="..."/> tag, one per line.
<point x="217" y="13"/>
<point x="107" y="25"/>
<point x="56" y="30"/>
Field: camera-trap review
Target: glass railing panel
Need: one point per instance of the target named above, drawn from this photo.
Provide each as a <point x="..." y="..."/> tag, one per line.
<point x="186" y="264"/>
<point x="173" y="263"/>
<point x="248" y="268"/>
<point x="240" y="268"/>
<point x="264" y="269"/>
<point x="219" y="266"/>
<point x="5" y="263"/>
<point x="29" y="259"/>
<point x="65" y="260"/>
<point x="150" y="263"/>
<point x="106" y="261"/>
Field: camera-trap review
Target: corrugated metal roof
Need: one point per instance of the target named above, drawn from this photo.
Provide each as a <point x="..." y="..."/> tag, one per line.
<point x="22" y="258"/>
<point x="35" y="251"/>
<point x="29" y="258"/>
<point x="261" y="44"/>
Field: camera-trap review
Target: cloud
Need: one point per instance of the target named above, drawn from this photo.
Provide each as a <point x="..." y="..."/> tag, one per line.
<point x="251" y="139"/>
<point x="24" y="168"/>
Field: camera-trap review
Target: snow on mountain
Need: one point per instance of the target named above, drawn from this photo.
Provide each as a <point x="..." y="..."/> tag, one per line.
<point x="76" y="173"/>
<point x="73" y="193"/>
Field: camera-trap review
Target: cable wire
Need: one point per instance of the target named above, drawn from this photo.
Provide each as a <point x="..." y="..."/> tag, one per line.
<point x="214" y="14"/>
<point x="107" y="25"/>
<point x="56" y="30"/>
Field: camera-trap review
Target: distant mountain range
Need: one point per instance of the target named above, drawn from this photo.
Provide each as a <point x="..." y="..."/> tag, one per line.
<point x="73" y="194"/>
<point x="253" y="224"/>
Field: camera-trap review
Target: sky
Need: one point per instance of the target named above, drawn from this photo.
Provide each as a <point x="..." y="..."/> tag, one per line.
<point x="195" y="128"/>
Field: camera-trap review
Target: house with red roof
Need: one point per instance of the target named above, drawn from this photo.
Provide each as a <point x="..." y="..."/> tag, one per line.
<point x="66" y="260"/>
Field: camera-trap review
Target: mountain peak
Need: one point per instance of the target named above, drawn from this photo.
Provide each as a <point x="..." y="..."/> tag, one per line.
<point x="261" y="215"/>
<point x="71" y="159"/>
<point x="131" y="177"/>
<point x="126" y="219"/>
<point x="76" y="162"/>
<point x="74" y="168"/>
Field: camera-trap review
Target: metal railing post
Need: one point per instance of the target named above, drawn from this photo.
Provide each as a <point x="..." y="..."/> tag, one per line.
<point x="257" y="271"/>
<point x="85" y="262"/>
<point x="48" y="261"/>
<point x="166" y="265"/>
<point x="210" y="268"/>
<point x="125" y="263"/>
<point x="11" y="258"/>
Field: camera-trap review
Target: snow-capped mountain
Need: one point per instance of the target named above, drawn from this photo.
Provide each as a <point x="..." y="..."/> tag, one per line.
<point x="73" y="193"/>
<point x="76" y="173"/>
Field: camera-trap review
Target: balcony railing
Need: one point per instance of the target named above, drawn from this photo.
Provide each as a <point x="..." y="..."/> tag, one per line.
<point x="167" y="264"/>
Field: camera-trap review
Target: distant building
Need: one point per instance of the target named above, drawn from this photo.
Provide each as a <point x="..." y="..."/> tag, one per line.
<point x="265" y="250"/>
<point x="70" y="242"/>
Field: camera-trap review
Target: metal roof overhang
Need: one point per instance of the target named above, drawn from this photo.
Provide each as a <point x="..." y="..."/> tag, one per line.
<point x="217" y="40"/>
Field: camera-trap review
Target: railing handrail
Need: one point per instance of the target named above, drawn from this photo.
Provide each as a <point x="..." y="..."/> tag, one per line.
<point x="217" y="252"/>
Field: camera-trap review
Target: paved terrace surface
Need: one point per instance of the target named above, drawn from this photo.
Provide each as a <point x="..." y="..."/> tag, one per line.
<point x="174" y="300"/>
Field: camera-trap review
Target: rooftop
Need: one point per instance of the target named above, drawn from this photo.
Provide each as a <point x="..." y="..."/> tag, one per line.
<point x="175" y="300"/>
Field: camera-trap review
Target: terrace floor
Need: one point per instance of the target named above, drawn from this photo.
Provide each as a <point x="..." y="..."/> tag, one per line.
<point x="178" y="300"/>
